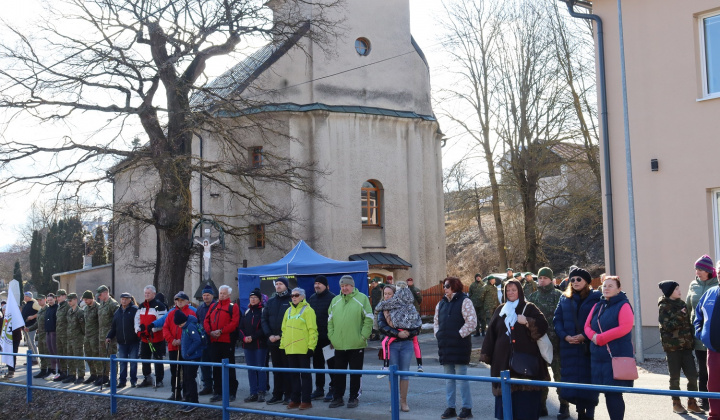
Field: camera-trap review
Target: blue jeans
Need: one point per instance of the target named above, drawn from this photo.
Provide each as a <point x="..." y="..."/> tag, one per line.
<point x="450" y="386"/>
<point x="128" y="351"/>
<point x="257" y="379"/>
<point x="401" y="354"/>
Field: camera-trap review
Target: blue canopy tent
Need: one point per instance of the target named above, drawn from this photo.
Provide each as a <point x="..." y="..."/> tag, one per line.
<point x="300" y="266"/>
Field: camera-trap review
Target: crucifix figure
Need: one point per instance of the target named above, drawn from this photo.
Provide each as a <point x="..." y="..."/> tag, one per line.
<point x="206" y="243"/>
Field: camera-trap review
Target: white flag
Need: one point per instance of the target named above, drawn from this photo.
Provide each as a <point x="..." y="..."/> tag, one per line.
<point x="13" y="320"/>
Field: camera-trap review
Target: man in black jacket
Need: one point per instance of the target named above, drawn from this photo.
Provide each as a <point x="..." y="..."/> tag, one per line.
<point x="272" y="318"/>
<point x="123" y="328"/>
<point x="320" y="302"/>
<point x="206" y="371"/>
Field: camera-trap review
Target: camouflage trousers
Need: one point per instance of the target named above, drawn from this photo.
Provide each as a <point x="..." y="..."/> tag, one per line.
<point x="555" y="366"/>
<point x="112" y="348"/>
<point x="92" y="349"/>
<point x="75" y="348"/>
<point x="42" y="349"/>
<point x="61" y="341"/>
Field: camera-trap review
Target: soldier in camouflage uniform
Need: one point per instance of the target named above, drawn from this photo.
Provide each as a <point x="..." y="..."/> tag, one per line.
<point x="546" y="298"/>
<point x="92" y="337"/>
<point x="490" y="300"/>
<point x="61" y="335"/>
<point x="75" y="338"/>
<point x="475" y="295"/>
<point x="528" y="284"/>
<point x="106" y="312"/>
<point x="39" y="326"/>
<point x="678" y="341"/>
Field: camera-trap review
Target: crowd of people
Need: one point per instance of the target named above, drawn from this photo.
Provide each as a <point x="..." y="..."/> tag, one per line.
<point x="531" y="328"/>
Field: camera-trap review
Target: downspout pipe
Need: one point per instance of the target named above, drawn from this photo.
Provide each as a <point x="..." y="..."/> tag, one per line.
<point x="604" y="123"/>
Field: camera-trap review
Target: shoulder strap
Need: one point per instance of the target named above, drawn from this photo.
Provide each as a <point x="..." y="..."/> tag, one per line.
<point x="600" y="327"/>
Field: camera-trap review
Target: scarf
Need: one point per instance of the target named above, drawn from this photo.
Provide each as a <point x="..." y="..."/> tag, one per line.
<point x="510" y="316"/>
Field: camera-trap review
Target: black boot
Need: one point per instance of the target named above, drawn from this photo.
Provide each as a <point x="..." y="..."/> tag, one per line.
<point x="564" y="412"/>
<point x="41" y="374"/>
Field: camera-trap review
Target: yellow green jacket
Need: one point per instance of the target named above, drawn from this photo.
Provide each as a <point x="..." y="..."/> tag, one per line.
<point x="299" y="329"/>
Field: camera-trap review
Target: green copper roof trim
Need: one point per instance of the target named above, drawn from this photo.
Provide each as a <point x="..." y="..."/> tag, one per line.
<point x="291" y="107"/>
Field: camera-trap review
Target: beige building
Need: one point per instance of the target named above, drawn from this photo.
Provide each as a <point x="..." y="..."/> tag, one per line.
<point x="672" y="52"/>
<point x="363" y="113"/>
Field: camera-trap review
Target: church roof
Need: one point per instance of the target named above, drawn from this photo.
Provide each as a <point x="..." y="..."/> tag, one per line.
<point x="239" y="77"/>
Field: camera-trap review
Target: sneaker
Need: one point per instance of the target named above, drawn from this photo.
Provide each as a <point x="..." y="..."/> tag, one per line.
<point x="251" y="398"/>
<point x="420" y="369"/>
<point x="189" y="409"/>
<point x="46" y="374"/>
<point x="133" y="384"/>
<point x="145" y="383"/>
<point x="159" y="384"/>
<point x="90" y="379"/>
<point x="261" y="397"/>
<point x="274" y="400"/>
<point x="381" y="375"/>
<point x="353" y="402"/>
<point x="59" y="377"/>
<point x="465" y="413"/>
<point x="328" y="396"/>
<point x="449" y="413"/>
<point x="216" y="398"/>
<point x="205" y="391"/>
<point x="317" y="394"/>
<point x="337" y="403"/>
<point x="9" y="375"/>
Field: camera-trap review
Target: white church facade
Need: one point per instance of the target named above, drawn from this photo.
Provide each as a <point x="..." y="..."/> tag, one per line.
<point x="363" y="114"/>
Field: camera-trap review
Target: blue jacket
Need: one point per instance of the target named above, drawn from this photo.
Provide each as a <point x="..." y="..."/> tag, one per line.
<point x="575" y="358"/>
<point x="202" y="310"/>
<point x="707" y="321"/>
<point x="191" y="340"/>
<point x="123" y="326"/>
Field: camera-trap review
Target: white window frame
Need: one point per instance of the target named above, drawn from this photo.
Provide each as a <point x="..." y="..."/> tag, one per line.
<point x="715" y="197"/>
<point x="703" y="64"/>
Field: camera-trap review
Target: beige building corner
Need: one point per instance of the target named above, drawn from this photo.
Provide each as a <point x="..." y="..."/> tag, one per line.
<point x="672" y="53"/>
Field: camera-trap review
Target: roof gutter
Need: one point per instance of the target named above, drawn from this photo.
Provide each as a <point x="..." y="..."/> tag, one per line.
<point x="604" y="122"/>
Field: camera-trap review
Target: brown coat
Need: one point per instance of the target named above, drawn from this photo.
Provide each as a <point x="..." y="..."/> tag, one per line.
<point x="497" y="348"/>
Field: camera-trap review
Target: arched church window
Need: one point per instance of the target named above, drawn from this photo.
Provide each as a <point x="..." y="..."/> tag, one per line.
<point x="371" y="203"/>
<point x="362" y="46"/>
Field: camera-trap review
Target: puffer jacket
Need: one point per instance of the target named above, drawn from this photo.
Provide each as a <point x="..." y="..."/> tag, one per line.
<point x="695" y="292"/>
<point x="173" y="332"/>
<point x="350" y="321"/>
<point x="707" y="322"/>
<point x="299" y="329"/>
<point x="191" y="341"/>
<point x="676" y="330"/>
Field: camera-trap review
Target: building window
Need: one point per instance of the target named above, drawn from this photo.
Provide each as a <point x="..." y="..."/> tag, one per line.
<point x="362" y="46"/>
<point x="371" y="203"/>
<point x="256" y="157"/>
<point x="257" y="236"/>
<point x="710" y="47"/>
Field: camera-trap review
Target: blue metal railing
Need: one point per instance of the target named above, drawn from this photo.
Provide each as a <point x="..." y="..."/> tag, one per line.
<point x="393" y="373"/>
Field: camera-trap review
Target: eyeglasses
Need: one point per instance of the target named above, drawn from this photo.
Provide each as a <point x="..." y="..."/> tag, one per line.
<point x="576" y="279"/>
<point x="295" y="295"/>
<point x="447" y="286"/>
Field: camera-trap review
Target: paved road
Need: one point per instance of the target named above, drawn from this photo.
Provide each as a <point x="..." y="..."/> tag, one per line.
<point x="427" y="396"/>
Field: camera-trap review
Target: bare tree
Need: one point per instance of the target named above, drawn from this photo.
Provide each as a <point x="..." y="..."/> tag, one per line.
<point x="127" y="61"/>
<point x="473" y="30"/>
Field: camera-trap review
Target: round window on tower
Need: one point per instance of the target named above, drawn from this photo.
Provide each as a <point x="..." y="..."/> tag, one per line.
<point x="362" y="46"/>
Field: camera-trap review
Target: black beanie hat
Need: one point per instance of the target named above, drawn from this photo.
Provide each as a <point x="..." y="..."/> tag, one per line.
<point x="257" y="293"/>
<point x="580" y="272"/>
<point x="668" y="287"/>
<point x="321" y="279"/>
<point x="180" y="317"/>
<point x="284" y="281"/>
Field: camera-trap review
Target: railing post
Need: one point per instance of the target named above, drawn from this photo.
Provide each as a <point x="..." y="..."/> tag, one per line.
<point x="225" y="389"/>
<point x="506" y="395"/>
<point x="394" y="393"/>
<point x="113" y="384"/>
<point x="29" y="376"/>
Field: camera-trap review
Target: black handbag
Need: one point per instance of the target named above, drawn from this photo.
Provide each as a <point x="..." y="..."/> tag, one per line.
<point x="525" y="364"/>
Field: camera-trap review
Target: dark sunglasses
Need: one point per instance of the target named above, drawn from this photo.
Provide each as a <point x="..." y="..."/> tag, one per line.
<point x="576" y="279"/>
<point x="447" y="286"/>
<point x="295" y="295"/>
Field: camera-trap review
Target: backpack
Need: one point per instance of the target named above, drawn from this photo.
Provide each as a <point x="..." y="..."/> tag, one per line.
<point x="204" y="337"/>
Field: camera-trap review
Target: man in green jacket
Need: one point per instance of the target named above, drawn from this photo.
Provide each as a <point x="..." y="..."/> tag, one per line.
<point x="75" y="339"/>
<point x="92" y="336"/>
<point x="61" y="334"/>
<point x="350" y="321"/>
<point x="106" y="312"/>
<point x="475" y="295"/>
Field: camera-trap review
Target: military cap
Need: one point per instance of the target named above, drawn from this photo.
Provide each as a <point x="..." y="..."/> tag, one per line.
<point x="40" y="296"/>
<point x="101" y="289"/>
<point x="61" y="292"/>
<point x="88" y="295"/>
<point x="72" y="296"/>
<point x="518" y="274"/>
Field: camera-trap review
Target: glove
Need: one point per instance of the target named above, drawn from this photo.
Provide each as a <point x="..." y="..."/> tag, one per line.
<point x="310" y="352"/>
<point x="142" y="327"/>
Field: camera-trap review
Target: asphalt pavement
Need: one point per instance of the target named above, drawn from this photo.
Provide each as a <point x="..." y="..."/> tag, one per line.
<point x="426" y="396"/>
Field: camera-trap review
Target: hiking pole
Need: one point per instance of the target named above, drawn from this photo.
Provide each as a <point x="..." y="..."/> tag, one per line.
<point x="107" y="353"/>
<point x="177" y="377"/>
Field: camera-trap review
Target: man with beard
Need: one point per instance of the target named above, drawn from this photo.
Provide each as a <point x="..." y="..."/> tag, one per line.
<point x="272" y="328"/>
<point x="320" y="302"/>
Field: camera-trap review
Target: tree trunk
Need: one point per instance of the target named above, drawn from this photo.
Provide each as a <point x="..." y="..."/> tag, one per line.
<point x="494" y="186"/>
<point x="478" y="213"/>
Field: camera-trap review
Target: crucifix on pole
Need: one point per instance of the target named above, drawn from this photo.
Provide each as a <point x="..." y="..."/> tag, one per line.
<point x="207" y="241"/>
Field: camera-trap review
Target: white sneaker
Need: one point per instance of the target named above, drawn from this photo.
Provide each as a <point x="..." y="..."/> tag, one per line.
<point x="382" y="376"/>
